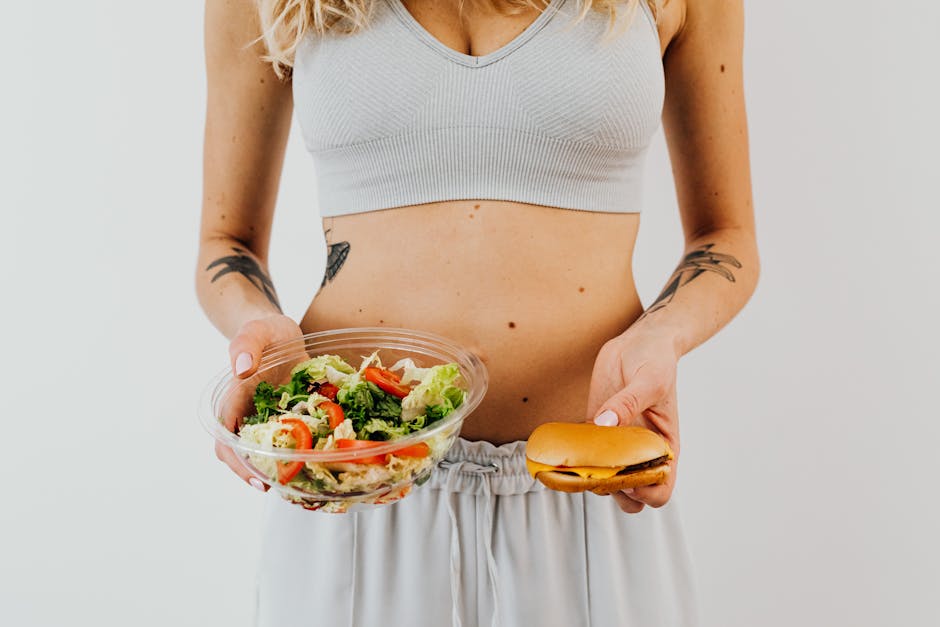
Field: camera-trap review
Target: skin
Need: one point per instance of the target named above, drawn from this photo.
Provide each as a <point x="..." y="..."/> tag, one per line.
<point x="522" y="290"/>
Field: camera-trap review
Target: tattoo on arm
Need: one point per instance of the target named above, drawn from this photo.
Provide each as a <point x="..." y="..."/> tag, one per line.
<point x="335" y="258"/>
<point x="245" y="265"/>
<point x="692" y="266"/>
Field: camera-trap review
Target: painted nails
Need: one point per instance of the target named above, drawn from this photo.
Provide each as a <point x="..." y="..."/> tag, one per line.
<point x="242" y="363"/>
<point x="607" y="418"/>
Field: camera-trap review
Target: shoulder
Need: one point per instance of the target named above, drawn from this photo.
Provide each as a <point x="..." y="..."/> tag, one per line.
<point x="701" y="18"/>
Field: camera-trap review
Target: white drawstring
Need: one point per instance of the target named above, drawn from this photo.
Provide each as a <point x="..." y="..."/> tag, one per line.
<point x="454" y="550"/>
<point x="454" y="468"/>
<point x="488" y="544"/>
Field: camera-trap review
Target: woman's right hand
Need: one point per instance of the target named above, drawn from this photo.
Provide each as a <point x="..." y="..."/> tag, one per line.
<point x="245" y="355"/>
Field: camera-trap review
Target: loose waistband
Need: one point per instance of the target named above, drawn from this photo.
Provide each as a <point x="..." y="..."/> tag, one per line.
<point x="481" y="467"/>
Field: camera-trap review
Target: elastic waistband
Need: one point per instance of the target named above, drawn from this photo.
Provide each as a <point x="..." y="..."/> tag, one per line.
<point x="469" y="465"/>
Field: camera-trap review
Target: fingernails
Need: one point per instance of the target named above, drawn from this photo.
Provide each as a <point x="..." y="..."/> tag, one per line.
<point x="628" y="491"/>
<point x="256" y="483"/>
<point x="242" y="363"/>
<point x="607" y="418"/>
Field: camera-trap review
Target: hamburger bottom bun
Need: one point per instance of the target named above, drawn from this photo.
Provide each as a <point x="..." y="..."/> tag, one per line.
<point x="567" y="482"/>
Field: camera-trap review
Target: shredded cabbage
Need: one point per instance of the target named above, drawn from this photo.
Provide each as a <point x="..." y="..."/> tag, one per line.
<point x="411" y="371"/>
<point x="317" y="369"/>
<point x="437" y="390"/>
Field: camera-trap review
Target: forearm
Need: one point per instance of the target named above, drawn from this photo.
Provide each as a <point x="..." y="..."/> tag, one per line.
<point x="712" y="283"/>
<point x="233" y="285"/>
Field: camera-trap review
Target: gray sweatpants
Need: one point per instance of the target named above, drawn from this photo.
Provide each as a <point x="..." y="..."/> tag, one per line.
<point x="481" y="543"/>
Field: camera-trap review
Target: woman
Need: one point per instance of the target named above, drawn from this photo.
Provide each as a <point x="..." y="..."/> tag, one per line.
<point x="478" y="170"/>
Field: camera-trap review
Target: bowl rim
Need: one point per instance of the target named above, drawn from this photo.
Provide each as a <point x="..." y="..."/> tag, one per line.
<point x="408" y="340"/>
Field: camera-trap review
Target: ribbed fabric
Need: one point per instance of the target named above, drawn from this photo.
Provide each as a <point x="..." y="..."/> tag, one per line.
<point x="556" y="117"/>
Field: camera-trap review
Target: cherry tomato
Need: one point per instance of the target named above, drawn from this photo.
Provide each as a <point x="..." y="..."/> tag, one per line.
<point x="333" y="412"/>
<point x="328" y="390"/>
<point x="387" y="381"/>
<point x="301" y="432"/>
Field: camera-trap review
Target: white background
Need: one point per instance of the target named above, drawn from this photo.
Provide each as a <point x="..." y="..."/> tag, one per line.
<point x="810" y="430"/>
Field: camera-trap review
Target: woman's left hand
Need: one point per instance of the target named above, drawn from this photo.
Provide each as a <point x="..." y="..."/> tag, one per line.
<point x="634" y="383"/>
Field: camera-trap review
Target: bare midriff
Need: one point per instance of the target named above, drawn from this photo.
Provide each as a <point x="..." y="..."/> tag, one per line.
<point x="535" y="291"/>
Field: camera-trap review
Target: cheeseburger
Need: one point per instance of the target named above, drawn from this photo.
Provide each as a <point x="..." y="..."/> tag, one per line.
<point x="579" y="456"/>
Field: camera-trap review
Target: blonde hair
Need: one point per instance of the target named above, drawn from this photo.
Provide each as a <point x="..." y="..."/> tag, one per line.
<point x="284" y="23"/>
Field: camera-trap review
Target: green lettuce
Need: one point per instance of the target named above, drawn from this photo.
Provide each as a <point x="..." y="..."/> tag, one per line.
<point x="323" y="368"/>
<point x="378" y="429"/>
<point x="363" y="401"/>
<point x="266" y="398"/>
<point x="436" y="396"/>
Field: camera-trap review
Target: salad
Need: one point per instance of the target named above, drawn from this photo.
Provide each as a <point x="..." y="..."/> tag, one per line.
<point x="329" y="405"/>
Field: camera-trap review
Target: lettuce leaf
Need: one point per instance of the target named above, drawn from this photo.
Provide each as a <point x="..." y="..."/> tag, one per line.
<point x="437" y="390"/>
<point x="378" y="429"/>
<point x="411" y="372"/>
<point x="320" y="367"/>
<point x="365" y="401"/>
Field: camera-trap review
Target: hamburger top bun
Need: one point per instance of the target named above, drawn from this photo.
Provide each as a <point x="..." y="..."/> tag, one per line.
<point x="587" y="444"/>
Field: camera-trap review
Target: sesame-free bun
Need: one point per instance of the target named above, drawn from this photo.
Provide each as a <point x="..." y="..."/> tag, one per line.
<point x="566" y="482"/>
<point x="564" y="445"/>
<point x="587" y="444"/>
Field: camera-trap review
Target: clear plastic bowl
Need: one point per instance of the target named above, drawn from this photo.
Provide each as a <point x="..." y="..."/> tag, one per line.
<point x="226" y="400"/>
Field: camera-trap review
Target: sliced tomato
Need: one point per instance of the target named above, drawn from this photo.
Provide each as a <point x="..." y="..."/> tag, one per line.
<point x="287" y="471"/>
<point x="328" y="390"/>
<point x="301" y="432"/>
<point x="333" y="412"/>
<point x="387" y="381"/>
<point x="344" y="443"/>
<point x="415" y="450"/>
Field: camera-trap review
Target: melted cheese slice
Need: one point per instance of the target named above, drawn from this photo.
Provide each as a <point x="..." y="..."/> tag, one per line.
<point x="586" y="472"/>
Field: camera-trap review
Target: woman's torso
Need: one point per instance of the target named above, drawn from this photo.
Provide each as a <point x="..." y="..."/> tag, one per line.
<point x="535" y="290"/>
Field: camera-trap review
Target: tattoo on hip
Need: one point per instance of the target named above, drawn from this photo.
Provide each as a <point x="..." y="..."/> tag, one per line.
<point x="335" y="257"/>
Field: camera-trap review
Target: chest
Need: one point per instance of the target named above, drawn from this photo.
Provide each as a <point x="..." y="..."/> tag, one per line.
<point x="556" y="77"/>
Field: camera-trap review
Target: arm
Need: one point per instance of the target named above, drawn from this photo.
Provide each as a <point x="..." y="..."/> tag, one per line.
<point x="634" y="378"/>
<point x="248" y="116"/>
<point x="706" y="132"/>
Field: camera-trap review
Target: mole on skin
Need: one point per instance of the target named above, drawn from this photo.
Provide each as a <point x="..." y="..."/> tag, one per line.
<point x="476" y="206"/>
<point x="525" y="399"/>
<point x="580" y="289"/>
<point x="512" y="325"/>
<point x="722" y="67"/>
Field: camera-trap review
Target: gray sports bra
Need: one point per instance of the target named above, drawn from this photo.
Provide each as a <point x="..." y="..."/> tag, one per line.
<point x="556" y="117"/>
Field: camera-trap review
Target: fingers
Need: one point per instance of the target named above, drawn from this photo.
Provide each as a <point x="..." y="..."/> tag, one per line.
<point x="237" y="403"/>
<point x="246" y="347"/>
<point x="633" y="501"/>
<point x="255" y="336"/>
<point x="245" y="352"/>
<point x="654" y="495"/>
<point x="626" y="406"/>
<point x="627" y="504"/>
<point x="229" y="458"/>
